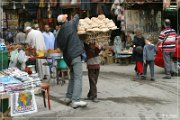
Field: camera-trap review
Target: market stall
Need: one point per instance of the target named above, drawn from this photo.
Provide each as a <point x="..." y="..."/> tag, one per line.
<point x="18" y="81"/>
<point x="18" y="87"/>
<point x="124" y="56"/>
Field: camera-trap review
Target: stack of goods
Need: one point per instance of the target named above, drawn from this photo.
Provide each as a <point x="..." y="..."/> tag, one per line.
<point x="95" y="29"/>
<point x="14" y="72"/>
<point x="10" y="83"/>
<point x="127" y="51"/>
<point x="11" y="47"/>
<point x="30" y="51"/>
<point x="54" y="53"/>
<point x="30" y="81"/>
<point x="14" y="79"/>
<point x="99" y="24"/>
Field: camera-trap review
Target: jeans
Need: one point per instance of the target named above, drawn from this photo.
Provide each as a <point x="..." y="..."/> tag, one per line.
<point x="168" y="63"/>
<point x="74" y="89"/>
<point x="151" y="67"/>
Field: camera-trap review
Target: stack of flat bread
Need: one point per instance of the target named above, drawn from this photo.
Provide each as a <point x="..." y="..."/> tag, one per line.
<point x="96" y="24"/>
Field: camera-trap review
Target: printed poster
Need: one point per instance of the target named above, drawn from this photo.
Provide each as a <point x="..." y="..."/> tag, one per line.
<point x="23" y="103"/>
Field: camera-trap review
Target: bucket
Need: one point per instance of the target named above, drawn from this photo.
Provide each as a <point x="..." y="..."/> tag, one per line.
<point x="61" y="64"/>
<point x="3" y="60"/>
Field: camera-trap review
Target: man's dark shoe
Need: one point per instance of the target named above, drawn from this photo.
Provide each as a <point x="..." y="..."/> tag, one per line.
<point x="167" y="77"/>
<point x="95" y="100"/>
<point x="152" y="79"/>
<point x="173" y="74"/>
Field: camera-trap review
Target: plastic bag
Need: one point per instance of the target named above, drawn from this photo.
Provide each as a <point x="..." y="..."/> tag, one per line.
<point x="22" y="58"/>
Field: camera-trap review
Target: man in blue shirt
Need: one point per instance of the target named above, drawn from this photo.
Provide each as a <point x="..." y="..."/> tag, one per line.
<point x="48" y="38"/>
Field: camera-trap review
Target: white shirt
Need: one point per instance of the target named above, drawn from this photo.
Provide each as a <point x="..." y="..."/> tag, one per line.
<point x="36" y="40"/>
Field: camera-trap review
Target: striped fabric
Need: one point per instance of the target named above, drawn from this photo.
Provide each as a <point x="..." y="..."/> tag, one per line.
<point x="168" y="38"/>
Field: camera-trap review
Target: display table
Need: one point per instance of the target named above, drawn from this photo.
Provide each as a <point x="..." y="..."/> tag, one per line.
<point x="57" y="66"/>
<point x="124" y="57"/>
<point x="19" y="88"/>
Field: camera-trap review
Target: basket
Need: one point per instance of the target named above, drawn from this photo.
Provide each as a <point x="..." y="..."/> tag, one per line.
<point x="96" y="37"/>
<point x="50" y="55"/>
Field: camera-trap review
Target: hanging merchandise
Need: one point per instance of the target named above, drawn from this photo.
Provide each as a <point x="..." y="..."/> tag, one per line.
<point x="166" y="4"/>
<point x="85" y="4"/>
<point x="49" y="12"/>
<point x="119" y="12"/>
<point x="53" y="3"/>
<point x="106" y="9"/>
<point x="33" y="3"/>
<point x="41" y="3"/>
<point x="32" y="12"/>
<point x="56" y="12"/>
<point x="73" y="2"/>
<point x="23" y="103"/>
<point x="178" y="3"/>
<point x="65" y="2"/>
<point x="95" y="1"/>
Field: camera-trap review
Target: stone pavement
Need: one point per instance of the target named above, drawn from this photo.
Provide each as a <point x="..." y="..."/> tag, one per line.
<point x="121" y="98"/>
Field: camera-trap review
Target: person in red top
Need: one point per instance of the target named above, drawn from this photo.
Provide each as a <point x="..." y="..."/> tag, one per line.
<point x="168" y="39"/>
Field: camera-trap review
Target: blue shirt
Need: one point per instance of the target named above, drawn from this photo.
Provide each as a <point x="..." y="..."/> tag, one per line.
<point x="49" y="40"/>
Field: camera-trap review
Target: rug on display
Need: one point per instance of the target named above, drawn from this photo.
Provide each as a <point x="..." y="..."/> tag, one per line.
<point x="23" y="103"/>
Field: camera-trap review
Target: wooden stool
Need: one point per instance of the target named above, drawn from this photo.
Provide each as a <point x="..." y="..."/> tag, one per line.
<point x="62" y="73"/>
<point x="45" y="93"/>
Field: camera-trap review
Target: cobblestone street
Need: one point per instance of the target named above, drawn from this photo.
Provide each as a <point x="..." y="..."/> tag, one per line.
<point x="120" y="98"/>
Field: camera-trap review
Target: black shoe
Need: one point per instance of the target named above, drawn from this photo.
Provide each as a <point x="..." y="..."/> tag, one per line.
<point x="152" y="79"/>
<point x="173" y="74"/>
<point x="167" y="77"/>
<point x="143" y="78"/>
<point x="95" y="100"/>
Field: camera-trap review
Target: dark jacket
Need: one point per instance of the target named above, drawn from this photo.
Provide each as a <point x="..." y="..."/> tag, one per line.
<point x="68" y="40"/>
<point x="93" y="59"/>
<point x="149" y="52"/>
<point x="91" y="52"/>
<point x="137" y="53"/>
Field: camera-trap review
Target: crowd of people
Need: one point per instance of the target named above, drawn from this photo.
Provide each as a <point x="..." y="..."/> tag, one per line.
<point x="67" y="39"/>
<point x="144" y="52"/>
